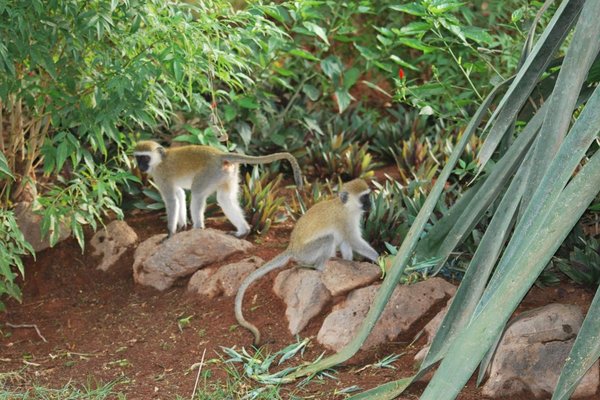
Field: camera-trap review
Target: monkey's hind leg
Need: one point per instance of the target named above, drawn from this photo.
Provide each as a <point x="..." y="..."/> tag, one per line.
<point x="346" y="251"/>
<point x="227" y="197"/>
<point x="317" y="252"/>
<point x="182" y="213"/>
<point x="202" y="187"/>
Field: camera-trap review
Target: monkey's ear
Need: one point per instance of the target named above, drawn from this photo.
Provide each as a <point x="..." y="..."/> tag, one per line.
<point x="344" y="197"/>
<point x="161" y="151"/>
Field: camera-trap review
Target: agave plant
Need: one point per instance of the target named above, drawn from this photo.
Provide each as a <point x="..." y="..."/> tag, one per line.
<point x="537" y="189"/>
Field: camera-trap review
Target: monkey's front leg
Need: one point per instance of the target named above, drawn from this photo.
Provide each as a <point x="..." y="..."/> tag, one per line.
<point x="171" y="203"/>
<point x="364" y="249"/>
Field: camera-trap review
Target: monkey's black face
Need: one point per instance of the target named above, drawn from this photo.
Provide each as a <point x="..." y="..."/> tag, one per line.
<point x="143" y="162"/>
<point x="365" y="202"/>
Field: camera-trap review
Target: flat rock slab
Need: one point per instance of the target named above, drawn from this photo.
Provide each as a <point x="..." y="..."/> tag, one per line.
<point x="342" y="276"/>
<point x="304" y="293"/>
<point x="532" y="352"/>
<point x="408" y="304"/>
<point x="225" y="280"/>
<point x="111" y="242"/>
<point x="159" y="263"/>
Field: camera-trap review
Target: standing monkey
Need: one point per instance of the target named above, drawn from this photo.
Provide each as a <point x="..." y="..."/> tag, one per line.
<point x="326" y="226"/>
<point x="204" y="170"/>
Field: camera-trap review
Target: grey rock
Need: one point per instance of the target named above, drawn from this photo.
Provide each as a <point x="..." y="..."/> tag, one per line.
<point x="224" y="280"/>
<point x="159" y="263"/>
<point x="407" y="305"/>
<point x="341" y="276"/>
<point x="303" y="292"/>
<point x="30" y="223"/>
<point x="111" y="242"/>
<point x="430" y="330"/>
<point x="532" y="351"/>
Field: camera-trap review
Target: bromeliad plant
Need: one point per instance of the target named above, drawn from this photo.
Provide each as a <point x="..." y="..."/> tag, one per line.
<point x="260" y="200"/>
<point x="338" y="157"/>
<point x="537" y="190"/>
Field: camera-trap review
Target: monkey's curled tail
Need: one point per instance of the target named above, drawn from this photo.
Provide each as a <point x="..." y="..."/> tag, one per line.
<point x="277" y="262"/>
<point x="241" y="158"/>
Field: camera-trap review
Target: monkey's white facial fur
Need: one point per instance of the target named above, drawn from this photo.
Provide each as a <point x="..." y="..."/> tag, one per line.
<point x="147" y="160"/>
<point x="360" y="203"/>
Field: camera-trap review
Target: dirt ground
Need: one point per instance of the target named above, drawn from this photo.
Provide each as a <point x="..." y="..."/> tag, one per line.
<point x="100" y="326"/>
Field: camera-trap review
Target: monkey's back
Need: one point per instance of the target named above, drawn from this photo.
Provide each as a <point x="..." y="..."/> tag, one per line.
<point x="187" y="161"/>
<point x="325" y="217"/>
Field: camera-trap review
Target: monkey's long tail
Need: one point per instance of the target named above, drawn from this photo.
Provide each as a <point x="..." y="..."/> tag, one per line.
<point x="275" y="263"/>
<point x="242" y="158"/>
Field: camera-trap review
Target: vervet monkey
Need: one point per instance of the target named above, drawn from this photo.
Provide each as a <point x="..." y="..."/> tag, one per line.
<point x="204" y="170"/>
<point x="326" y="226"/>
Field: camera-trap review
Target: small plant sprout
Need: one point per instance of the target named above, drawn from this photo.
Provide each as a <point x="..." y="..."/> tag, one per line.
<point x="184" y="322"/>
<point x="385" y="362"/>
<point x="257" y="367"/>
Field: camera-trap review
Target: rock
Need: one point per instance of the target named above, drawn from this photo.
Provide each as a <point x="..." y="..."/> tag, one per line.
<point x="111" y="242"/>
<point x="407" y="305"/>
<point x="224" y="280"/>
<point x="341" y="276"/>
<point x="29" y="223"/>
<point x="159" y="264"/>
<point x="532" y="352"/>
<point x="304" y="293"/>
<point x="430" y="330"/>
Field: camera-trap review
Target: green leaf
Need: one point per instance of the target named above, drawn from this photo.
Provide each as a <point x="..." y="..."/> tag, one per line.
<point x="412" y="9"/>
<point x="317" y="30"/>
<point x="476" y="34"/>
<point x="303" y="54"/>
<point x="247" y="102"/>
<point x="343" y="99"/>
<point x="416" y="44"/>
<point x="351" y="77"/>
<point x="366" y="52"/>
<point x="311" y="91"/>
<point x="4" y="167"/>
<point x="403" y="63"/>
<point x="332" y="67"/>
<point x="414" y="28"/>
